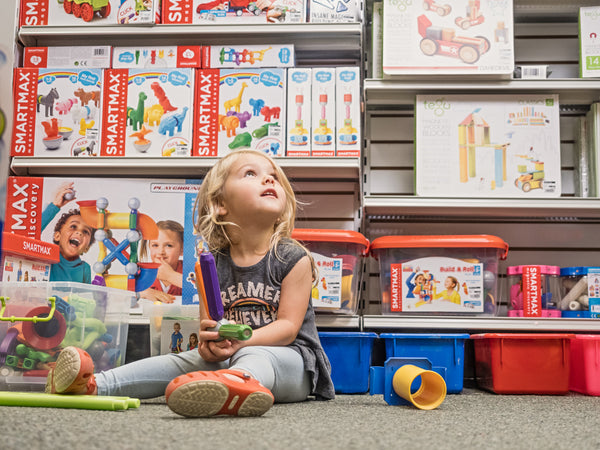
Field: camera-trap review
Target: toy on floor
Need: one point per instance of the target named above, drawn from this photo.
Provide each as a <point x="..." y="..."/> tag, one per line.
<point x="39" y="400"/>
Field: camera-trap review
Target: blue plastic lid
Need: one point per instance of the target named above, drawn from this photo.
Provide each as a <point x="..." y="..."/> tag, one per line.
<point x="570" y="271"/>
<point x="347" y="334"/>
<point x="424" y="336"/>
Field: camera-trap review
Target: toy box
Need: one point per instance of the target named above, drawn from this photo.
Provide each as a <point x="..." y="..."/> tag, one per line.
<point x="584" y="374"/>
<point x="148" y="112"/>
<point x="33" y="332"/>
<point x="339" y="256"/>
<point x="350" y="356"/>
<point x="74" y="57"/>
<point x="487" y="146"/>
<point x="439" y="274"/>
<point x="580" y="291"/>
<point x="40" y="208"/>
<point x="238" y="108"/>
<point x="377" y="41"/>
<point x="534" y="291"/>
<point x="462" y="37"/>
<point x="159" y="57"/>
<point x="445" y="352"/>
<point x="26" y="259"/>
<point x="299" y="108"/>
<point x="57" y="112"/>
<point x="334" y="11"/>
<point x="347" y="111"/>
<point x="163" y="317"/>
<point x="518" y="363"/>
<point x="88" y="12"/>
<point x="235" y="12"/>
<point x="323" y="111"/>
<point x="253" y="56"/>
<point x="589" y="42"/>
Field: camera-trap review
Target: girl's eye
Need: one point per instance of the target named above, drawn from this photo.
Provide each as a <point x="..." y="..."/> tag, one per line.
<point x="250" y="173"/>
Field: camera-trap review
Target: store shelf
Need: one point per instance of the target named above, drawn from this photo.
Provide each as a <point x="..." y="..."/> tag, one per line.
<point x="478" y="208"/>
<point x="336" y="42"/>
<point x="393" y="92"/>
<point x="295" y="168"/>
<point x="479" y="324"/>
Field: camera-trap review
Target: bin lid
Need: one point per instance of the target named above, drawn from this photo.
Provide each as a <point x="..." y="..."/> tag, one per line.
<point x="322" y="235"/>
<point x="424" y="336"/>
<point x="437" y="241"/>
<point x="570" y="271"/>
<point x="544" y="270"/>
<point x="523" y="336"/>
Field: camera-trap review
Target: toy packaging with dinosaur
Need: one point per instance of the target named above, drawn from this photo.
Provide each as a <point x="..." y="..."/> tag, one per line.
<point x="441" y="37"/>
<point x="487" y="146"/>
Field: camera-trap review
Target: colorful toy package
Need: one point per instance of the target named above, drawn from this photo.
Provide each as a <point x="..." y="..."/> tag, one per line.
<point x="57" y="112"/>
<point x="487" y="146"/>
<point x="240" y="56"/>
<point x="148" y="112"/>
<point x="299" y="107"/>
<point x="437" y="37"/>
<point x="237" y="109"/>
<point x="76" y="57"/>
<point x="158" y="57"/>
<point x="332" y="11"/>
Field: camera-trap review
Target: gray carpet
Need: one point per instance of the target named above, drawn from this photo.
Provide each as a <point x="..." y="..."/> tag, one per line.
<point x="471" y="420"/>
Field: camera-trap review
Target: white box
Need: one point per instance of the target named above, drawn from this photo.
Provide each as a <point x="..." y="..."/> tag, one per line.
<point x="487" y="146"/>
<point x="589" y="41"/>
<point x="347" y="114"/>
<point x="377" y="41"/>
<point x="253" y="56"/>
<point x="161" y="57"/>
<point x="323" y="111"/>
<point x="75" y="57"/>
<point x="334" y="11"/>
<point x="433" y="38"/>
<point x="299" y="107"/>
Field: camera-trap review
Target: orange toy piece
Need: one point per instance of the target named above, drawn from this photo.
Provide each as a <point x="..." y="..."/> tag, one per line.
<point x="51" y="128"/>
<point x="141" y="135"/>
<point x="163" y="100"/>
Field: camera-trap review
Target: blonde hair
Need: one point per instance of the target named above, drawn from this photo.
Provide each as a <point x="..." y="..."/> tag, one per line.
<point x="211" y="226"/>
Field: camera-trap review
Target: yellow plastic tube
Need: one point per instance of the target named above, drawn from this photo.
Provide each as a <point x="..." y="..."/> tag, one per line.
<point x="430" y="394"/>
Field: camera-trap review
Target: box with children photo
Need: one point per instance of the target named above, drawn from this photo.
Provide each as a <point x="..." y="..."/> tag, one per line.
<point x="146" y="257"/>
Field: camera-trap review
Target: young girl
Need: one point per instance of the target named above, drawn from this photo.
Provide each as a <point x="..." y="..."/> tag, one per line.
<point x="166" y="250"/>
<point x="246" y="211"/>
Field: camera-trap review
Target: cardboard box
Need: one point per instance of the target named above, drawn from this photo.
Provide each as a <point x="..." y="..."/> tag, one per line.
<point x="234" y="11"/>
<point x="589" y="42"/>
<point x="25" y="259"/>
<point x="439" y="38"/>
<point x="57" y="112"/>
<point x="299" y="108"/>
<point x="88" y="12"/>
<point x="347" y="111"/>
<point x="488" y="146"/>
<point x="159" y="57"/>
<point x="149" y="112"/>
<point x="74" y="57"/>
<point x="238" y="108"/>
<point x="377" y="41"/>
<point x="32" y="213"/>
<point x="323" y="111"/>
<point x="334" y="11"/>
<point x="252" y="56"/>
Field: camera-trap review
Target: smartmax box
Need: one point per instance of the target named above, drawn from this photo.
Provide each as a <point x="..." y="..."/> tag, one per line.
<point x="331" y="11"/>
<point x="299" y="106"/>
<point x="159" y="57"/>
<point x="589" y="41"/>
<point x="487" y="146"/>
<point x="234" y="11"/>
<point x="254" y="56"/>
<point x="238" y="109"/>
<point x="323" y="111"/>
<point x="439" y="38"/>
<point x="347" y="111"/>
<point x="57" y="112"/>
<point x="88" y="12"/>
<point x="75" y="57"/>
<point x="148" y="112"/>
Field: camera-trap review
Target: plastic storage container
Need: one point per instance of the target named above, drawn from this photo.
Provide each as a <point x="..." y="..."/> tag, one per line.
<point x="585" y="364"/>
<point x="445" y="352"/>
<point x="534" y="291"/>
<point x="350" y="356"/>
<point x="162" y="317"/>
<point x="339" y="255"/>
<point x="518" y="363"/>
<point x="439" y="274"/>
<point x="32" y="332"/>
<point x="580" y="292"/>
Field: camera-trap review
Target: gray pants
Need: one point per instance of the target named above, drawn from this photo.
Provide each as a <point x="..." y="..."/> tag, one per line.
<point x="280" y="369"/>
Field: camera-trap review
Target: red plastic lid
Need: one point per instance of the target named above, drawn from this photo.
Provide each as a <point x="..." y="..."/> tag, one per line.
<point x="320" y="235"/>
<point x="436" y="241"/>
<point x="522" y="336"/>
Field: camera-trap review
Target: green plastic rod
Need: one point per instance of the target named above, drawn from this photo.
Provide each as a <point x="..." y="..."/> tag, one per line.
<point x="67" y="401"/>
<point x="237" y="331"/>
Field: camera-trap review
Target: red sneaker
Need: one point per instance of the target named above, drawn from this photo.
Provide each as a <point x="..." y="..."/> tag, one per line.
<point x="231" y="392"/>
<point x="73" y="373"/>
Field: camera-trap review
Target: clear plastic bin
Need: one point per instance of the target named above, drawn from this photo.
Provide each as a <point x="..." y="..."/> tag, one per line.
<point x="580" y="291"/>
<point x="534" y="291"/>
<point x="439" y="274"/>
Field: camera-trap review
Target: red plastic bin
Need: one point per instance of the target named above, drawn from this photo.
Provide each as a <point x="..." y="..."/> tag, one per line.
<point x="585" y="364"/>
<point x="518" y="363"/>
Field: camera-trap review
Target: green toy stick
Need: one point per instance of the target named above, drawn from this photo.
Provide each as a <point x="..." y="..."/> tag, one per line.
<point x="67" y="401"/>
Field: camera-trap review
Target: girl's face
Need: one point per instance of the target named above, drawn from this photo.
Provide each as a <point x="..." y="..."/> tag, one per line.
<point x="167" y="248"/>
<point x="73" y="238"/>
<point x="449" y="283"/>
<point x="420" y="279"/>
<point x="252" y="191"/>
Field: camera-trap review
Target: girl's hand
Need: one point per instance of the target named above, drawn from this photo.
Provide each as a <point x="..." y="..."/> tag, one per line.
<point x="212" y="350"/>
<point x="157" y="296"/>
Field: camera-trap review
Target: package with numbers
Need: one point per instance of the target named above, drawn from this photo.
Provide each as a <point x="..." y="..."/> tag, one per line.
<point x="487" y="146"/>
<point x="589" y="41"/>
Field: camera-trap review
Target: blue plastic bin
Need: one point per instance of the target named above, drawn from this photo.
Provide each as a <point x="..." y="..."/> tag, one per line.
<point x="446" y="352"/>
<point x="350" y="357"/>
